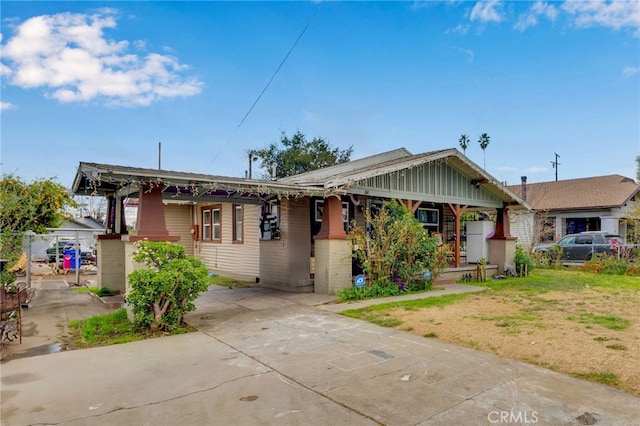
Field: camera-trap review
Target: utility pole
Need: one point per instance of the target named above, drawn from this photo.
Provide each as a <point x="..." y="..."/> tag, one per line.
<point x="159" y="155"/>
<point x="555" y="165"/>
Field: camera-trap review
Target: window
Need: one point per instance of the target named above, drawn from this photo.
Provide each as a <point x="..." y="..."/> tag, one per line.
<point x="211" y="224"/>
<point x="320" y="207"/>
<point x="206" y="224"/>
<point x="428" y="216"/>
<point x="215" y="215"/>
<point x="237" y="222"/>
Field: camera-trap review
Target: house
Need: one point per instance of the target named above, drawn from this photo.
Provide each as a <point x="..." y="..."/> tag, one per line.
<point x="290" y="233"/>
<point x="599" y="203"/>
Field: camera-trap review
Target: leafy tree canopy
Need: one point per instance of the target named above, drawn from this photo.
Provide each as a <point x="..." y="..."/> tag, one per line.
<point x="33" y="206"/>
<point x="297" y="155"/>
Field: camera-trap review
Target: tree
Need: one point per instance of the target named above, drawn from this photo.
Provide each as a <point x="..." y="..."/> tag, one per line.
<point x="33" y="206"/>
<point x="88" y="206"/>
<point x="297" y="155"/>
<point x="464" y="143"/>
<point x="484" y="143"/>
<point x="162" y="294"/>
<point x="638" y="168"/>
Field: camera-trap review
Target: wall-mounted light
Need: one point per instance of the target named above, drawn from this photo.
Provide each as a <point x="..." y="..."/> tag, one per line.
<point x="476" y="183"/>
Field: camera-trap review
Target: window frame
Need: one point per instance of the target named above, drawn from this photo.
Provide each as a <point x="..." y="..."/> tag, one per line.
<point x="210" y="226"/>
<point x="427" y="212"/>
<point x="237" y="239"/>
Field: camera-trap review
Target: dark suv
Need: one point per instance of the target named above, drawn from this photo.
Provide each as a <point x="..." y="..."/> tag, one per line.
<point x="583" y="246"/>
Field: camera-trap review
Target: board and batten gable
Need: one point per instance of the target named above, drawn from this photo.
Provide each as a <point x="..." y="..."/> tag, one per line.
<point x="436" y="181"/>
<point x="239" y="260"/>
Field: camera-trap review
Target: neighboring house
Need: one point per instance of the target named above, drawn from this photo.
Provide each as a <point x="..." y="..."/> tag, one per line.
<point x="291" y="233"/>
<point x="564" y="207"/>
<point x="85" y="229"/>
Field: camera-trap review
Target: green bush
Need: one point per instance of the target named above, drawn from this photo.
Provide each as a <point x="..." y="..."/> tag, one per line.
<point x="162" y="294"/>
<point x="603" y="263"/>
<point x="395" y="253"/>
<point x="104" y="292"/>
<point x="523" y="261"/>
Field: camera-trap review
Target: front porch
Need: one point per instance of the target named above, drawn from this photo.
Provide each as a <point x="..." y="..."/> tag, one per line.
<point x="457" y="273"/>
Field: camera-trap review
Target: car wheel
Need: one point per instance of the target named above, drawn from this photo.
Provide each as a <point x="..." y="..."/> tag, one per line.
<point x="589" y="257"/>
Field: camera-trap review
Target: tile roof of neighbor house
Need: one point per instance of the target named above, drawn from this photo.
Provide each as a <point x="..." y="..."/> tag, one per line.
<point x="579" y="194"/>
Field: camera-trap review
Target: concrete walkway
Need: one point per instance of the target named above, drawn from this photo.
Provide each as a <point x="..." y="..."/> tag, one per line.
<point x="264" y="357"/>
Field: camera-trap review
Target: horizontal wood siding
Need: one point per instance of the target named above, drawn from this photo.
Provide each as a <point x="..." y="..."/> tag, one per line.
<point x="237" y="260"/>
<point x="522" y="226"/>
<point x="178" y="220"/>
<point x="285" y="263"/>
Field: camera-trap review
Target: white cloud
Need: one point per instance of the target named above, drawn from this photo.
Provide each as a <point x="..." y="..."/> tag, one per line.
<point x="486" y="11"/>
<point x="537" y="169"/>
<point x="629" y="71"/>
<point x="6" y="105"/>
<point x="539" y="8"/>
<point x="611" y="14"/>
<point x="69" y="56"/>
<point x="507" y="169"/>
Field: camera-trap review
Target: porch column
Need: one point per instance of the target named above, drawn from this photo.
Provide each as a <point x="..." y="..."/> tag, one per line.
<point x="110" y="247"/>
<point x="457" y="211"/>
<point x="502" y="246"/>
<point x="150" y="222"/>
<point x="333" y="250"/>
<point x="150" y="225"/>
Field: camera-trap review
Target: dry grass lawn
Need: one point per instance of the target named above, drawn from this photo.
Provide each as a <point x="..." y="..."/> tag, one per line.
<point x="591" y="332"/>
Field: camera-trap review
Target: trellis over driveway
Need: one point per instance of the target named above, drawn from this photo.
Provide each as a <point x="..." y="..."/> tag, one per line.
<point x="443" y="179"/>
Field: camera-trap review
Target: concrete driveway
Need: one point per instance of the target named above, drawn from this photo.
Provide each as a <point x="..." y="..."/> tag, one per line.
<point x="264" y="357"/>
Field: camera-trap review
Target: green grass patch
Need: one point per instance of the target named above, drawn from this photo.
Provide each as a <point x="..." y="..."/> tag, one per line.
<point x="378" y="314"/>
<point x="544" y="280"/>
<point x="229" y="282"/>
<point x="109" y="329"/>
<point x="101" y="292"/>
<point x="604" y="378"/>
<point x="410" y="305"/>
<point x="617" y="347"/>
<point x="611" y="322"/>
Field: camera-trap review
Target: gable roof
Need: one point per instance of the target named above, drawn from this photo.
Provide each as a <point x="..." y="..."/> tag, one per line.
<point x="469" y="184"/>
<point x="599" y="192"/>
<point x="347" y="174"/>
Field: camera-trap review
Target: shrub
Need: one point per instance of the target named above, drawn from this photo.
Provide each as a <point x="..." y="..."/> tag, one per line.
<point x="396" y="250"/>
<point x="162" y="294"/>
<point x="603" y="263"/>
<point x="523" y="261"/>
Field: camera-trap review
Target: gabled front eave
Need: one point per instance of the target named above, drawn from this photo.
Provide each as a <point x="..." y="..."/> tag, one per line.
<point x="101" y="179"/>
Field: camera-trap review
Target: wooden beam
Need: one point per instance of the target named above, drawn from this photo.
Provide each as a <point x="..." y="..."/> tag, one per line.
<point x="457" y="211"/>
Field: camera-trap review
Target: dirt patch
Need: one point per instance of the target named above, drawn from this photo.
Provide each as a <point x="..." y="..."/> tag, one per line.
<point x="589" y="334"/>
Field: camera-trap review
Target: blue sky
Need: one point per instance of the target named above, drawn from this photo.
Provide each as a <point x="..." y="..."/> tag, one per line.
<point x="106" y="81"/>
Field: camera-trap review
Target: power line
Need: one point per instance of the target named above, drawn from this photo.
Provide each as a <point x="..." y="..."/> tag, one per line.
<point x="265" y="87"/>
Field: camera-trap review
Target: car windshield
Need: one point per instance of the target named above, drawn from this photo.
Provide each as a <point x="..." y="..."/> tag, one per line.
<point x="567" y="240"/>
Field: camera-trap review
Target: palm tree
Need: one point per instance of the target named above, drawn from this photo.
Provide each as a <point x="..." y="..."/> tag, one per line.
<point x="464" y="143"/>
<point x="484" y="142"/>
